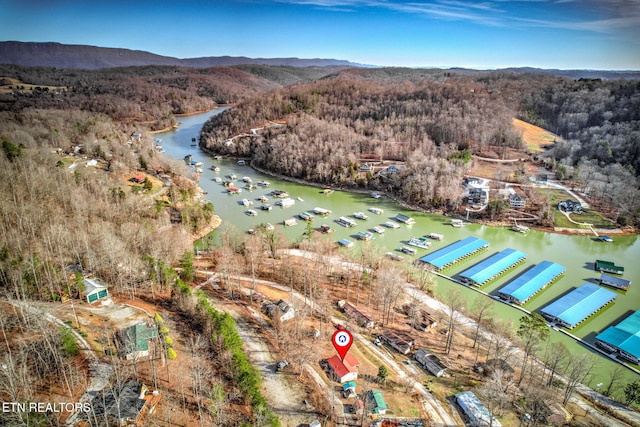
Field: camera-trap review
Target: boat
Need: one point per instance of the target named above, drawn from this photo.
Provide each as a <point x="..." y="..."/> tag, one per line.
<point x="435" y="236"/>
<point x="405" y="219"/>
<point x="419" y="242"/>
<point x="198" y="164"/>
<point x="266" y="207"/>
<point x="232" y="176"/>
<point x="269" y="227"/>
<point x="251" y="212"/>
<point x="280" y="194"/>
<point x="241" y="163"/>
<point x="285" y="203"/>
<point x="247" y="179"/>
<point x="234" y="190"/>
<point x="360" y="215"/>
<point x="251" y="187"/>
<point x="321" y="211"/>
<point x="300" y="199"/>
<point x="407" y="250"/>
<point x="391" y="224"/>
<point x="520" y="228"/>
<point x="365" y="235"/>
<point x="246" y="202"/>
<point x="217" y="179"/>
<point x="251" y="231"/>
<point x="215" y="168"/>
<point x="346" y="222"/>
<point x="606" y="239"/>
<point x="345" y="243"/>
<point x="263" y="199"/>
<point x="378" y="229"/>
<point x="375" y="195"/>
<point x="376" y="211"/>
<point x="263" y="183"/>
<point x="306" y="216"/>
<point x="289" y="222"/>
<point x="199" y="170"/>
<point x="457" y="223"/>
<point x="395" y="257"/>
<point x="327" y="191"/>
<point x="324" y="228"/>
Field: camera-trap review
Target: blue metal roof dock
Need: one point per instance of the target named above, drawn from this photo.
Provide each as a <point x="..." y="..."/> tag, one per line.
<point x="623" y="338"/>
<point x="491" y="267"/>
<point x="454" y="252"/>
<point x="574" y="307"/>
<point x="526" y="285"/>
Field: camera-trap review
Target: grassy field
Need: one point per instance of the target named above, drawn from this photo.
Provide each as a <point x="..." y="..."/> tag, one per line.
<point x="534" y="137"/>
<point x="587" y="216"/>
<point x="9" y="85"/>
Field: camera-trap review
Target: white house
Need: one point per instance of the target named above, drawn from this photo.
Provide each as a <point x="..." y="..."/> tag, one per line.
<point x="94" y="290"/>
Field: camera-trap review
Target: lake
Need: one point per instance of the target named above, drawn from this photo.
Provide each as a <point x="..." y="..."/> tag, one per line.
<point x="576" y="253"/>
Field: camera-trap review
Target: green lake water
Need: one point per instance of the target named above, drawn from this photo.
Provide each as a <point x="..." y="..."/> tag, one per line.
<point x="576" y="253"/>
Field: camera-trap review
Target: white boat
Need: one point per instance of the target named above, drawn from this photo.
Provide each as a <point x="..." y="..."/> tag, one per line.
<point x="217" y="179"/>
<point x="435" y="236"/>
<point x="215" y="168"/>
<point x="378" y="229"/>
<point x="324" y="228"/>
<point x="300" y="199"/>
<point x="263" y="183"/>
<point x="346" y="243"/>
<point x="407" y="250"/>
<point x="365" y="235"/>
<point x="346" y="222"/>
<point x="241" y="162"/>
<point x="263" y="199"/>
<point x="285" y="203"/>
<point x="269" y="227"/>
<point x="232" y="176"/>
<point x="391" y="224"/>
<point x="321" y="211"/>
<point x="376" y="195"/>
<point x="376" y="211"/>
<point x="360" y="215"/>
<point x="419" y="242"/>
<point x="266" y="207"/>
<point x="199" y="170"/>
<point x="520" y="228"/>
<point x="246" y="179"/>
<point x="251" y="212"/>
<point x="246" y="202"/>
<point x="457" y="223"/>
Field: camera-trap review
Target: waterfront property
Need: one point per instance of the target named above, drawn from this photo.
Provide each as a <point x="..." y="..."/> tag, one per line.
<point x="526" y="285"/>
<point x="475" y="411"/>
<point x="623" y="338"/>
<point x="492" y="267"/>
<point x="574" y="307"/>
<point x="608" y="267"/>
<point x="615" y="282"/>
<point x="454" y="252"/>
<point x="346" y="222"/>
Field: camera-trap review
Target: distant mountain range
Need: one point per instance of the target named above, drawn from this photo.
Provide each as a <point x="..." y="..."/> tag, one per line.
<point x="58" y="55"/>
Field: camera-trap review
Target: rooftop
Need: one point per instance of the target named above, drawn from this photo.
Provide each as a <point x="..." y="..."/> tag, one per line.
<point x="625" y="335"/>
<point x="577" y="305"/>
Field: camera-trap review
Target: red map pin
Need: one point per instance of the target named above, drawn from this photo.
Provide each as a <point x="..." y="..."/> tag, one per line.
<point x="342" y="341"/>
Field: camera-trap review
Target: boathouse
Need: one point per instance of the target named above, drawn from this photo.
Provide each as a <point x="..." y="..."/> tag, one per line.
<point x="454" y="252"/>
<point x="574" y="307"/>
<point x="608" y="267"/>
<point x="615" y="282"/>
<point x="405" y="219"/>
<point x="532" y="281"/>
<point x="492" y="267"/>
<point x="623" y="339"/>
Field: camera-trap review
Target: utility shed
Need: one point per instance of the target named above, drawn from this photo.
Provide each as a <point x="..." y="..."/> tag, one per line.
<point x="523" y="287"/>
<point x="133" y="342"/>
<point x="380" y="406"/>
<point x="492" y="267"/>
<point x="475" y="411"/>
<point x="623" y="338"/>
<point x="94" y="290"/>
<point x="574" y="307"/>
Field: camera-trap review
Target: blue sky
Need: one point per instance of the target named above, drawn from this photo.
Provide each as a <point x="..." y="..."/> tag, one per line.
<point x="446" y="33"/>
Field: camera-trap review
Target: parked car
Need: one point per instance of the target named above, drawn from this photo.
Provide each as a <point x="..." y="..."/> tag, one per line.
<point x="282" y="365"/>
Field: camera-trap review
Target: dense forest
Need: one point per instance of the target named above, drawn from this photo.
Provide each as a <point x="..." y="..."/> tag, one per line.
<point x="434" y="124"/>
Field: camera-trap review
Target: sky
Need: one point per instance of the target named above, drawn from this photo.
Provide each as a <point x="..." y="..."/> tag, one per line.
<point x="485" y="34"/>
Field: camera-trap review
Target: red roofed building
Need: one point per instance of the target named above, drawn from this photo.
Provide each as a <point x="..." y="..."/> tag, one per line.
<point x="346" y="370"/>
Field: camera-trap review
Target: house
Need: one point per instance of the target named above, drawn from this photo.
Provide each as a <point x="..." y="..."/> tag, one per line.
<point x="517" y="201"/>
<point x="94" y="290"/>
<point x="356" y="315"/>
<point x="124" y="404"/>
<point x="280" y="310"/>
<point x="379" y="405"/>
<point x="430" y="362"/>
<point x="475" y="411"/>
<point x="344" y="370"/>
<point x="420" y="319"/>
<point x="133" y="342"/>
<point x="391" y="170"/>
<point x="570" y="206"/>
<point x="138" y="178"/>
<point x="366" y="167"/>
<point x="398" y="340"/>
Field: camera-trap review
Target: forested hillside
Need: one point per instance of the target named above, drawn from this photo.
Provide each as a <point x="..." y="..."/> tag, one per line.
<point x="434" y="121"/>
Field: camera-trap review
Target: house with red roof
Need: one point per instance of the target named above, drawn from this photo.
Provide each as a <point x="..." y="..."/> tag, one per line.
<point x="346" y="370"/>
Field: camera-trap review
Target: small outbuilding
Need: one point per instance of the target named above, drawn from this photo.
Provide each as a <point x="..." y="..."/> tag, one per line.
<point x="133" y="342"/>
<point x="94" y="290"/>
<point x="379" y="405"/>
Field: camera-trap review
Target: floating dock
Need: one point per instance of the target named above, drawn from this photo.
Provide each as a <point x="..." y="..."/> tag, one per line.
<point x="574" y="307"/>
<point x="454" y="252"/>
<point x="623" y="338"/>
<point x="608" y="267"/>
<point x="491" y="267"/>
<point x="526" y="285"/>
<point x="615" y="282"/>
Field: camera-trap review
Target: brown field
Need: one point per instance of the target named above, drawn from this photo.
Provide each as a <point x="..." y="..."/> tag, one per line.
<point x="9" y="84"/>
<point x="534" y="137"/>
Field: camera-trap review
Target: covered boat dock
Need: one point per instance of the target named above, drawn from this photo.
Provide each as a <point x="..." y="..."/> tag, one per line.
<point x="492" y="267"/>
<point x="532" y="281"/>
<point x="623" y="338"/>
<point x="455" y="252"/>
<point x="574" y="307"/>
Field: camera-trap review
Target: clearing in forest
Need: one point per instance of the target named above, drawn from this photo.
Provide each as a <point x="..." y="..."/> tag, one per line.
<point x="534" y="137"/>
